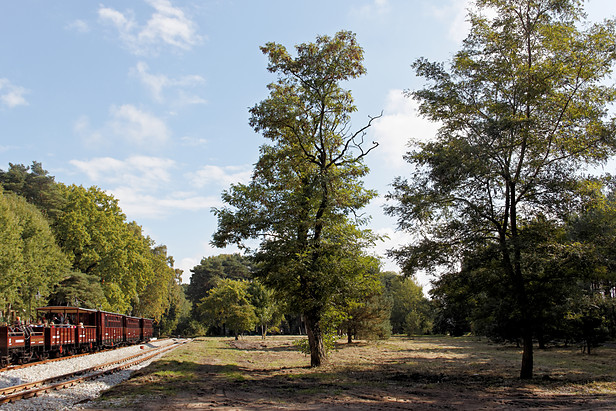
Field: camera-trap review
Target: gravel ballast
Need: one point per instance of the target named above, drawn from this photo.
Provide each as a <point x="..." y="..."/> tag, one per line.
<point x="69" y="398"/>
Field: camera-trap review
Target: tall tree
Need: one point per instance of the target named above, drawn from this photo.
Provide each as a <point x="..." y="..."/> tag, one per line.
<point x="306" y="187"/>
<point x="36" y="185"/>
<point x="79" y="289"/>
<point x="268" y="310"/>
<point x="523" y="109"/>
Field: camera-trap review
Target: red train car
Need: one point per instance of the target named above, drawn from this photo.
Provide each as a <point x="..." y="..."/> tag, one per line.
<point x="60" y="340"/>
<point x="68" y="330"/>
<point x="36" y="341"/>
<point x="147" y="329"/>
<point x="110" y="329"/>
<point x="12" y="345"/>
<point x="132" y="330"/>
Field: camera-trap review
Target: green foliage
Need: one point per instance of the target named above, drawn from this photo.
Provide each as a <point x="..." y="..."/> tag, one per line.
<point x="190" y="327"/>
<point x="94" y="233"/>
<point x="210" y="270"/>
<point x="178" y="307"/>
<point x="80" y="290"/>
<point x="366" y="308"/>
<point x="114" y="266"/>
<point x="411" y="311"/>
<point x="36" y="185"/>
<point x="329" y="342"/>
<point x="162" y="290"/>
<point x="269" y="311"/>
<point x="571" y="287"/>
<point x="228" y="306"/>
<point x="522" y="109"/>
<point x="307" y="184"/>
<point x="30" y="260"/>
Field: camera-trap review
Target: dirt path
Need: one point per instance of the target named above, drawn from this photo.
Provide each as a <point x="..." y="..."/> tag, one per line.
<point x="403" y="374"/>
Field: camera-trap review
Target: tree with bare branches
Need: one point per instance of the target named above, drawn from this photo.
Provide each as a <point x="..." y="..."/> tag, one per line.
<point x="306" y="189"/>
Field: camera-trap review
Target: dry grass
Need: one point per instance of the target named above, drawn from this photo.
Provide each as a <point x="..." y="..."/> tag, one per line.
<point x="421" y="372"/>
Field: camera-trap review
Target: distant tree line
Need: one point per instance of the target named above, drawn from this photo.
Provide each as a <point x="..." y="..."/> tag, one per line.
<point x="228" y="299"/>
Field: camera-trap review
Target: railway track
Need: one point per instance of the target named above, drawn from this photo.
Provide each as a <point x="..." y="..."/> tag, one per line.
<point x="49" y="360"/>
<point x="33" y="389"/>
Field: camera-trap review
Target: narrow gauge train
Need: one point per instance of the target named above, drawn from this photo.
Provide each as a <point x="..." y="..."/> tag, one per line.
<point x="69" y="330"/>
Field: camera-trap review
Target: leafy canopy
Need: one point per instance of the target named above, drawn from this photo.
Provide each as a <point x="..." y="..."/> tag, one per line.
<point x="522" y="108"/>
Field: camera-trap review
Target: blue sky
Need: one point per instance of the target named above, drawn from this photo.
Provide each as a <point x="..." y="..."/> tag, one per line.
<point x="149" y="100"/>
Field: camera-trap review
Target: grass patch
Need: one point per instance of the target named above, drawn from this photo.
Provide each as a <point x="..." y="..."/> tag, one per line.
<point x="255" y="373"/>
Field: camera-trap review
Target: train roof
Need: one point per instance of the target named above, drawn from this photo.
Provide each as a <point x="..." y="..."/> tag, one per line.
<point x="65" y="309"/>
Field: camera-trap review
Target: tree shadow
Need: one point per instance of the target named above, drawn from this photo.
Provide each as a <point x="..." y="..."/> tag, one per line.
<point x="470" y="379"/>
<point x="382" y="387"/>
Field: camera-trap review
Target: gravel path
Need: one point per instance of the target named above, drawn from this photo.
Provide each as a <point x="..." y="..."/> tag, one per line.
<point x="68" y="399"/>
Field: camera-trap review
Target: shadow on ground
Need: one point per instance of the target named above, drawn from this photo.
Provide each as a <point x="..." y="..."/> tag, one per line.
<point x="459" y="377"/>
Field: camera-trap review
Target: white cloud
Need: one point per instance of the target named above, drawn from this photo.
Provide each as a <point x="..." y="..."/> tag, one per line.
<point x="137" y="204"/>
<point x="140" y="173"/>
<point x="83" y="129"/>
<point x="193" y="141"/>
<point x="399" y="124"/>
<point x="11" y="95"/>
<point x="4" y="149"/>
<point x="79" y="26"/>
<point x="141" y="183"/>
<point x="167" y="25"/>
<point x="223" y="176"/>
<point x="373" y="8"/>
<point x="454" y="14"/>
<point x="138" y="126"/>
<point x="157" y="83"/>
<point x="128" y="124"/>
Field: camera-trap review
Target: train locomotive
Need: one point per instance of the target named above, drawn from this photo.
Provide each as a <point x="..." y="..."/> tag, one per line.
<point x="69" y="330"/>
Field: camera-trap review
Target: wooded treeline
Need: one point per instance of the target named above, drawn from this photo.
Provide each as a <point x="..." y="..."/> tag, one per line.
<point x="70" y="245"/>
<point x="503" y="199"/>
<point x="229" y="299"/>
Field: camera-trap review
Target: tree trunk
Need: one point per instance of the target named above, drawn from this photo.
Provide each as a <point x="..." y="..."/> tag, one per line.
<point x="349" y="335"/>
<point x="514" y="269"/>
<point x="541" y="340"/>
<point x="315" y="339"/>
<point x="526" y="373"/>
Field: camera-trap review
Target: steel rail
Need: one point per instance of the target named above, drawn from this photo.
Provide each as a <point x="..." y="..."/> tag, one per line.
<point x="28" y="390"/>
